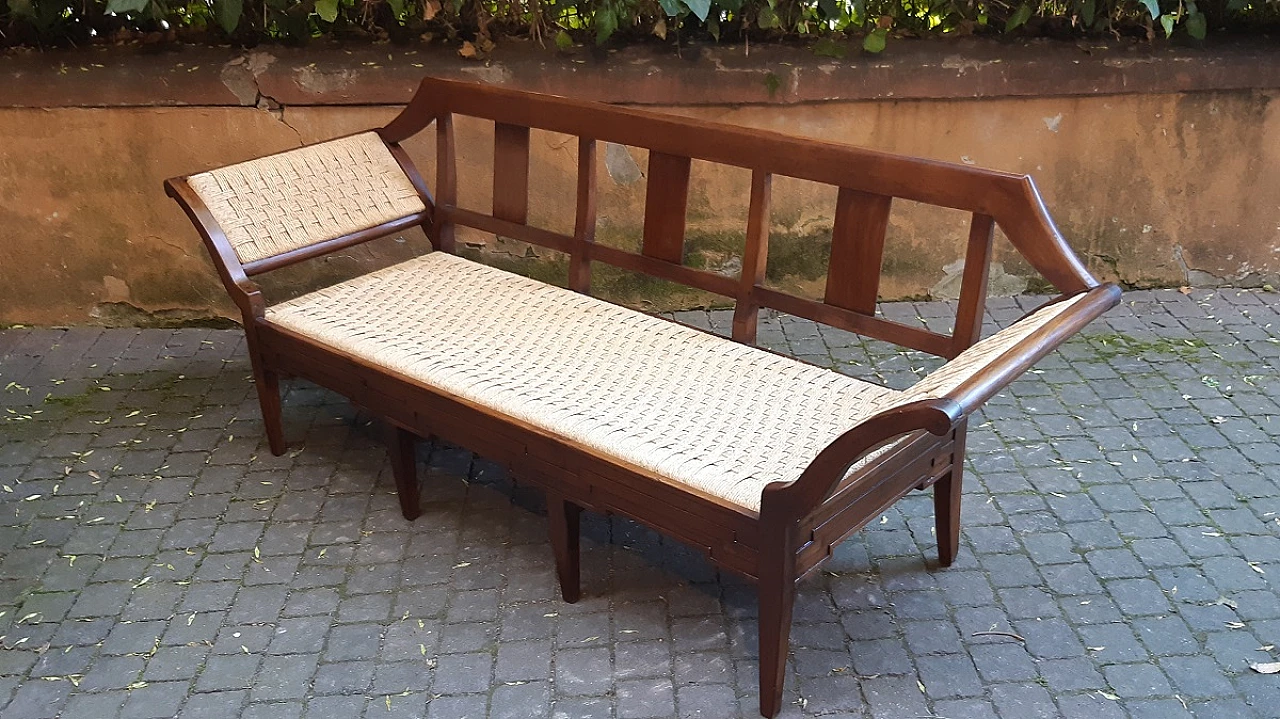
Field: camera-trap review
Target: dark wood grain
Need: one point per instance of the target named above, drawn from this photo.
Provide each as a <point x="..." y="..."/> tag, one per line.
<point x="973" y="284"/>
<point x="852" y="321"/>
<point x="442" y="235"/>
<point x="755" y="259"/>
<point x="584" y="223"/>
<point x="404" y="468"/>
<point x="666" y="202"/>
<point x="857" y="250"/>
<point x="511" y="173"/>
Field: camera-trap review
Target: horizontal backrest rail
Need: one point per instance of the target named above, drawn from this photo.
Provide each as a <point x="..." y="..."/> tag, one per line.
<point x="1011" y="199"/>
<point x="292" y="257"/>
<point x="919" y="339"/>
<point x="505" y="228"/>
<point x="723" y="285"/>
<point x="660" y="268"/>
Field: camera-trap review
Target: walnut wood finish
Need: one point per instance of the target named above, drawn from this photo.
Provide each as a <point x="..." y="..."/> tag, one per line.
<point x="511" y="172"/>
<point x="857" y="250"/>
<point x="799" y="523"/>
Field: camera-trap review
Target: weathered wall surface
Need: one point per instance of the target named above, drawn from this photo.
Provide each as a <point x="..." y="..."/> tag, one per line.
<point x="1165" y="188"/>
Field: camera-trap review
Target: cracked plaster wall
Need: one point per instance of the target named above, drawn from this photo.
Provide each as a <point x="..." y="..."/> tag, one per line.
<point x="1151" y="189"/>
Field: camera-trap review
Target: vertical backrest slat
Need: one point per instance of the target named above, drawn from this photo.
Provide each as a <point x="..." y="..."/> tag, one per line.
<point x="857" y="250"/>
<point x="666" y="201"/>
<point x="446" y="182"/>
<point x="584" y="225"/>
<point x="511" y="173"/>
<point x="973" y="284"/>
<point x="755" y="257"/>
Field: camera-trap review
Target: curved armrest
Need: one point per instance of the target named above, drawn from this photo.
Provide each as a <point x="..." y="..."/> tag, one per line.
<point x="244" y="292"/>
<point x="978" y="373"/>
<point x="421" y="111"/>
<point x="947" y="396"/>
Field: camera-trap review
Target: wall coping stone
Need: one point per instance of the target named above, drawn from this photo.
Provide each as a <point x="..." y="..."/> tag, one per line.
<point x="644" y="75"/>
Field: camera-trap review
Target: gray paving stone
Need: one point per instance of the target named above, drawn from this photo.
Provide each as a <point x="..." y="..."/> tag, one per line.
<point x="274" y="583"/>
<point x="283" y="678"/>
<point x="1137" y="680"/>
<point x="155" y="700"/>
<point x="645" y="699"/>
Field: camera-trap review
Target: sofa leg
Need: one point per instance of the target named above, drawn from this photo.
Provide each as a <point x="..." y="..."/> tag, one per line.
<point x="777" y="591"/>
<point x="946" y="508"/>
<point x="404" y="467"/>
<point x="564" y="518"/>
<point x="268" y="384"/>
<point x="946" y="503"/>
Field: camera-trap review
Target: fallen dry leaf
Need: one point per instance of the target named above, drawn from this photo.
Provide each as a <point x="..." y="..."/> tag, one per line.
<point x="467" y="51"/>
<point x="1266" y="667"/>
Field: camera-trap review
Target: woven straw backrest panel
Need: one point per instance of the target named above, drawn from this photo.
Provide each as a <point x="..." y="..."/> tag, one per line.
<point x="285" y="202"/>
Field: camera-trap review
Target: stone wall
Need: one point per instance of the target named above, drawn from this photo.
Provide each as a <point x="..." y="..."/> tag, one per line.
<point x="1162" y="169"/>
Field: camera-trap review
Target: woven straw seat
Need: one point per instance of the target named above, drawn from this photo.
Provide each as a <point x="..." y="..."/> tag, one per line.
<point x="713" y="414"/>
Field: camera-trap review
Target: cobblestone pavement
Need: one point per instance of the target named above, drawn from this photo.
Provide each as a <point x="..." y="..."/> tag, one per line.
<point x="1122" y="519"/>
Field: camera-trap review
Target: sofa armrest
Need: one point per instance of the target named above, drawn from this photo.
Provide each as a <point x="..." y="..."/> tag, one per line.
<point x="944" y="398"/>
<point x="978" y="373"/>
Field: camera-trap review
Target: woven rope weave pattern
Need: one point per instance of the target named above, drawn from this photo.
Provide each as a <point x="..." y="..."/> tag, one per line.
<point x="701" y="410"/>
<point x="288" y="201"/>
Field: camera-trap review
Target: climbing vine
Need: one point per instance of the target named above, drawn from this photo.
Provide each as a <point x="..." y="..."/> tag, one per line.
<point x="833" y="26"/>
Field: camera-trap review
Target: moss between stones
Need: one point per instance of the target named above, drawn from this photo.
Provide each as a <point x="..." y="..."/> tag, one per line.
<point x="1115" y="344"/>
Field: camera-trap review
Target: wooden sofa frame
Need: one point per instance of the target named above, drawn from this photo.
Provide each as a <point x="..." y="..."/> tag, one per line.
<point x="799" y="523"/>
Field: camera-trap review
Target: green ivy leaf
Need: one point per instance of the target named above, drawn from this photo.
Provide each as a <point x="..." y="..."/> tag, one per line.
<point x="671" y="7"/>
<point x="772" y="83"/>
<point x="397" y="7"/>
<point x="563" y="40"/>
<point x="606" y="24"/>
<point x="875" y="40"/>
<point x="22" y="8"/>
<point x="227" y="13"/>
<point x="1088" y="12"/>
<point x="1153" y="6"/>
<point x="1197" y="26"/>
<point x="121" y="7"/>
<point x="699" y="8"/>
<point x="1166" y="21"/>
<point x="327" y="10"/>
<point x="1019" y="18"/>
<point x="827" y="47"/>
<point x="767" y="18"/>
<point x="730" y="5"/>
<point x="830" y="8"/>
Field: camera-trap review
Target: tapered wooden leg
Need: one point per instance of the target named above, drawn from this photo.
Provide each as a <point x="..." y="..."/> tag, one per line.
<point x="268" y="384"/>
<point x="404" y="467"/>
<point x="946" y="504"/>
<point x="777" y="598"/>
<point x="564" y="518"/>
